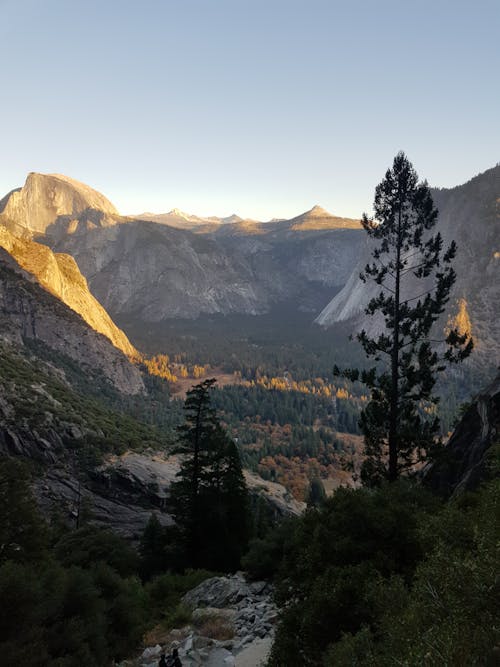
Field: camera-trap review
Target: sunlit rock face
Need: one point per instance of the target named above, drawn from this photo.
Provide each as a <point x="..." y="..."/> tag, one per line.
<point x="49" y="203"/>
<point x="28" y="312"/>
<point x="470" y="215"/>
<point x="460" y="320"/>
<point x="59" y="274"/>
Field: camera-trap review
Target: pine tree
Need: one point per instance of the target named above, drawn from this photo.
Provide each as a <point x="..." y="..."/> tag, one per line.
<point x="152" y="548"/>
<point x="316" y="494"/>
<point x="209" y="499"/>
<point x="415" y="276"/>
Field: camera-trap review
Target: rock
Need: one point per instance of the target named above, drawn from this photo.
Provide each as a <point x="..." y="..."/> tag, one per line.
<point x="465" y="464"/>
<point x="217" y="592"/>
<point x="258" y="587"/>
<point x="30" y="312"/>
<point x="220" y="657"/>
<point x="60" y="275"/>
<point x="202" y="614"/>
<point x="251" y="612"/>
<point x="200" y="642"/>
<point x="151" y="652"/>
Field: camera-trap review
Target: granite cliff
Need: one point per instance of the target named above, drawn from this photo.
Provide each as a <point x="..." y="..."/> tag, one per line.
<point x="30" y="313"/>
<point x="53" y="203"/>
<point x="470" y="450"/>
<point x="59" y="274"/>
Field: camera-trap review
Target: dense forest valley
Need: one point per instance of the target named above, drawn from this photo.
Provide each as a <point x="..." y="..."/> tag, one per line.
<point x="276" y="393"/>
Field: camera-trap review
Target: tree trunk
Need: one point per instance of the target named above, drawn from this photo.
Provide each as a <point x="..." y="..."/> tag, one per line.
<point x="393" y="415"/>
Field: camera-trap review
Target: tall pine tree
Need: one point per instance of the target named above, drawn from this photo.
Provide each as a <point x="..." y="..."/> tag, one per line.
<point x="415" y="276"/>
<point x="208" y="501"/>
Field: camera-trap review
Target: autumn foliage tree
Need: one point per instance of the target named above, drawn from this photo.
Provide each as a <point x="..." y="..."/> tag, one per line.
<point x="414" y="272"/>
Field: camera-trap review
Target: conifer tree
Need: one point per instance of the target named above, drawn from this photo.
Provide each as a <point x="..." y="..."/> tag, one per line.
<point x="316" y="493"/>
<point x="209" y="499"/>
<point x="414" y="272"/>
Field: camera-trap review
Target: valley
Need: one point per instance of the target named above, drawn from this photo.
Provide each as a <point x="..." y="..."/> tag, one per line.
<point x="267" y="308"/>
<point x="110" y="327"/>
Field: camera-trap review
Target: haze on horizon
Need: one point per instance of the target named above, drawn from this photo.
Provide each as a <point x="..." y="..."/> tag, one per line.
<point x="263" y="109"/>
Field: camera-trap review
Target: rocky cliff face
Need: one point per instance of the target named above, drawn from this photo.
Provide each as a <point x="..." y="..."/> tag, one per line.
<point x="154" y="272"/>
<point x="59" y="274"/>
<point x="466" y="460"/>
<point x="29" y="312"/>
<point x="126" y="489"/>
<point x="469" y="214"/>
<point x="48" y="203"/>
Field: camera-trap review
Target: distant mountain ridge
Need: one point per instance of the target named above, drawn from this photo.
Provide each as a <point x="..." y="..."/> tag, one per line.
<point x="154" y="270"/>
<point x="151" y="271"/>
<point x="316" y="218"/>
<point x="182" y="220"/>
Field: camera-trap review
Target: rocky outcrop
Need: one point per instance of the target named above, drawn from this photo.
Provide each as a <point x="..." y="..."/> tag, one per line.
<point x="466" y="459"/>
<point x="124" y="491"/>
<point x="53" y="203"/>
<point x="470" y="215"/>
<point x="29" y="312"/>
<point x="244" y="611"/>
<point x="59" y="274"/>
<point x="111" y="505"/>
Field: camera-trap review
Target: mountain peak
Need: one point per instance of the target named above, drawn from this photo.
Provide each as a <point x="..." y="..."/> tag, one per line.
<point x="45" y="198"/>
<point x="320" y="218"/>
<point x="180" y="214"/>
<point x="319" y="211"/>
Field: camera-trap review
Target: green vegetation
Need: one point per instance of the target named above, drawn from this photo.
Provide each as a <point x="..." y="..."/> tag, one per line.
<point x="72" y="598"/>
<point x="390" y="576"/>
<point x="41" y="398"/>
<point x="283" y="340"/>
<point x="279" y="428"/>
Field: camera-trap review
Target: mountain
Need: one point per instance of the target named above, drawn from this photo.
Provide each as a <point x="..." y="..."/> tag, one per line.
<point x="53" y="203"/>
<point x="151" y="271"/>
<point x="59" y="274"/>
<point x="182" y="220"/>
<point x="318" y="218"/>
<point x="469" y="214"/>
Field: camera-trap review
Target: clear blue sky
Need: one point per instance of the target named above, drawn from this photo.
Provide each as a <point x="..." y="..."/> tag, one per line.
<point x="260" y="107"/>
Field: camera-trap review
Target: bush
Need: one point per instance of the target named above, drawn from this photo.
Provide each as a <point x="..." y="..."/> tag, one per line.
<point x="333" y="559"/>
<point x="90" y="545"/>
<point x="165" y="591"/>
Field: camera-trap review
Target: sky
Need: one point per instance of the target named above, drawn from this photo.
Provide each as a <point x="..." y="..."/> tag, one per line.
<point x="258" y="107"/>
